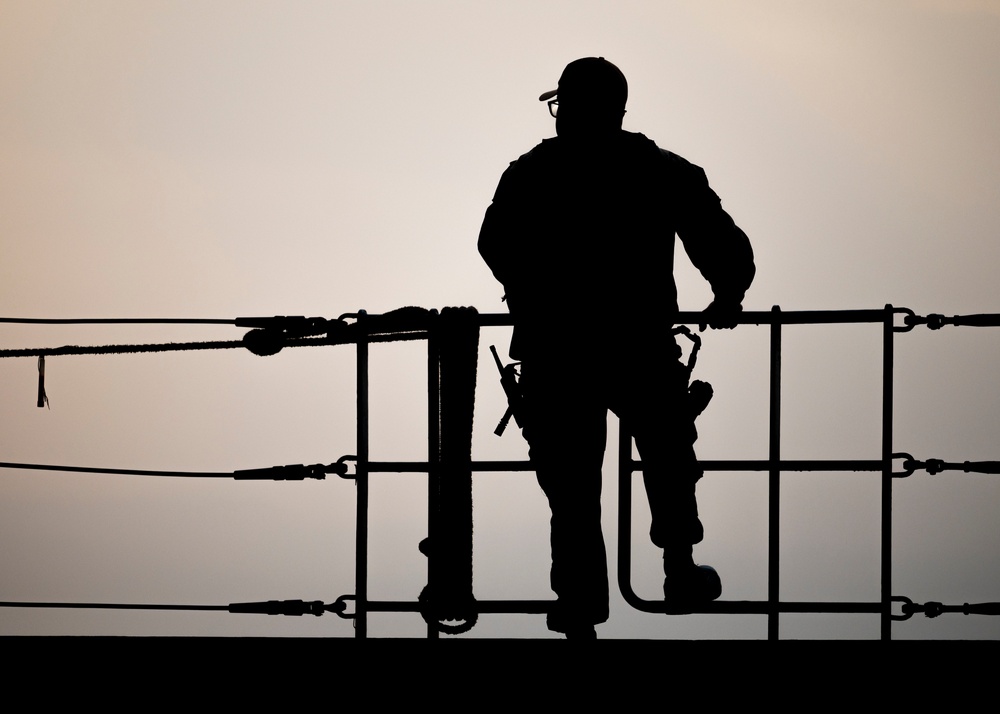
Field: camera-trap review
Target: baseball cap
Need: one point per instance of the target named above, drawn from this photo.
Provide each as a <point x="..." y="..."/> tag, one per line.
<point x="593" y="79"/>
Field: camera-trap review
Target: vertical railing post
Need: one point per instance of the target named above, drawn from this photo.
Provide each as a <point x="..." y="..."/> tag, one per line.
<point x="625" y="471"/>
<point x="361" y="482"/>
<point x="433" y="450"/>
<point x="886" y="555"/>
<point x="774" y="479"/>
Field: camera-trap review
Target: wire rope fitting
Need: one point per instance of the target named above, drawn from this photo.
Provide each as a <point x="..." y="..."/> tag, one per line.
<point x="932" y="609"/>
<point x="290" y="608"/>
<point x="339" y="607"/>
<point x="341" y="467"/>
<point x="907" y="608"/>
<point x="910" y="319"/>
<point x="936" y="321"/>
<point x="936" y="466"/>
<point x="292" y="472"/>
<point x="909" y="465"/>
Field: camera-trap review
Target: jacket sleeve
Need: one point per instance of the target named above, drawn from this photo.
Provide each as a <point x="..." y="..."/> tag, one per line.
<point x="505" y="237"/>
<point x="496" y="231"/>
<point x="713" y="241"/>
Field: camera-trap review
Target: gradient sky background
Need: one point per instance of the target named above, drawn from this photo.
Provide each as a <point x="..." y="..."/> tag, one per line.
<point x="224" y="159"/>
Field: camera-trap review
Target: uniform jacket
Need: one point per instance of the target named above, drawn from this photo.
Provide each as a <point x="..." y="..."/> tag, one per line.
<point x="581" y="235"/>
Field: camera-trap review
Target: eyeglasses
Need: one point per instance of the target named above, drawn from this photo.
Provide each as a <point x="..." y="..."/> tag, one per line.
<point x="554" y="107"/>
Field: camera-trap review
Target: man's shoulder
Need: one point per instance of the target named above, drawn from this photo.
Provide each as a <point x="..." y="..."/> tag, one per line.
<point x="679" y="173"/>
<point x="636" y="150"/>
<point x="669" y="158"/>
<point x="533" y="166"/>
<point x="545" y="150"/>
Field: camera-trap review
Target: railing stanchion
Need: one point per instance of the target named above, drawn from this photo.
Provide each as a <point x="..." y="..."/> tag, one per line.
<point x="774" y="479"/>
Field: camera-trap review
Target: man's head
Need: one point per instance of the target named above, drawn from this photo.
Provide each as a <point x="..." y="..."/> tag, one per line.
<point x="592" y="93"/>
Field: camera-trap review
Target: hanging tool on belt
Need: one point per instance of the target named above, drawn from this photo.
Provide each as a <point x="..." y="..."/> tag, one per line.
<point x="699" y="393"/>
<point x="508" y="380"/>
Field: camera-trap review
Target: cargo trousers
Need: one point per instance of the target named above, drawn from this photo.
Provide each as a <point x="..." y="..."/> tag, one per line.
<point x="565" y="407"/>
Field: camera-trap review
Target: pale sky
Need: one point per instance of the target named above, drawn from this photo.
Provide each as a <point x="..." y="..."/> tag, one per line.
<point x="224" y="159"/>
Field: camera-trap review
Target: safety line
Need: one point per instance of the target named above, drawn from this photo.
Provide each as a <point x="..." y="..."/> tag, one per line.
<point x="118" y="321"/>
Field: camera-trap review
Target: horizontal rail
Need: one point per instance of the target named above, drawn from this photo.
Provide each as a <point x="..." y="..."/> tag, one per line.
<point x="760" y="607"/>
<point x="748" y="317"/>
<point x="724" y="607"/>
<point x="371" y="331"/>
<point x="723" y="465"/>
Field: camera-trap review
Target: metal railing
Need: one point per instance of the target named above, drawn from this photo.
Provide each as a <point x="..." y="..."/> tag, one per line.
<point x="773" y="606"/>
<point x="891" y="320"/>
<point x="274" y="333"/>
<point x="774" y="465"/>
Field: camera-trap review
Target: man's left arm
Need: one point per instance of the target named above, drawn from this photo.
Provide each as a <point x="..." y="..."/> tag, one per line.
<point x="718" y="248"/>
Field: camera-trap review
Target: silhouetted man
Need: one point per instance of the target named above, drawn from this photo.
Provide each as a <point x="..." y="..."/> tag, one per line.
<point x="581" y="234"/>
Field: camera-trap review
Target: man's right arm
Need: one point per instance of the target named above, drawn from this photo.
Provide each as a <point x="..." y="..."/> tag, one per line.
<point x="498" y="231"/>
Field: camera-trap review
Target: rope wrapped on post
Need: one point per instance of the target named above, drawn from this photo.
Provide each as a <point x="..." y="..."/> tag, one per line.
<point x="453" y="351"/>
